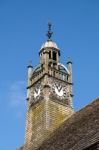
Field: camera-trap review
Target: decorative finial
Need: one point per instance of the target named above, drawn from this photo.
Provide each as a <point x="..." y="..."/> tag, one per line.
<point x="69" y="60"/>
<point x="30" y="64"/>
<point x="49" y="33"/>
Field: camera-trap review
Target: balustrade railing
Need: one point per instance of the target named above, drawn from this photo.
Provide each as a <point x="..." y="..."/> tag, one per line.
<point x="58" y="74"/>
<point x="51" y="71"/>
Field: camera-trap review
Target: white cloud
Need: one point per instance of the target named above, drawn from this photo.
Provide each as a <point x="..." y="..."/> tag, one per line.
<point x="17" y="94"/>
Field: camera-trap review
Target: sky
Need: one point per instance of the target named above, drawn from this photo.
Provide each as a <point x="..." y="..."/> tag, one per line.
<point x="23" y="27"/>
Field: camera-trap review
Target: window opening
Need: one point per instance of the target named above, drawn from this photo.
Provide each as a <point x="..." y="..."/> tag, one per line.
<point x="54" y="55"/>
<point x="49" y="54"/>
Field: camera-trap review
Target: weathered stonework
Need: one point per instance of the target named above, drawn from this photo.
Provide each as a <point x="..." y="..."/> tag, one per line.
<point x="46" y="115"/>
<point x="49" y="95"/>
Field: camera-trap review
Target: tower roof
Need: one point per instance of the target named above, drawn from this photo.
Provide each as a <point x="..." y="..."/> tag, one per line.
<point x="50" y="44"/>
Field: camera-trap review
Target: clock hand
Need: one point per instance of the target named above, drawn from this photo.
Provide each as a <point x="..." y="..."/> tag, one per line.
<point x="60" y="88"/>
<point x="57" y="86"/>
<point x="36" y="90"/>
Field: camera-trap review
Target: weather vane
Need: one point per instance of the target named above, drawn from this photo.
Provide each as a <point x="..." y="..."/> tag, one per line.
<point x="49" y="33"/>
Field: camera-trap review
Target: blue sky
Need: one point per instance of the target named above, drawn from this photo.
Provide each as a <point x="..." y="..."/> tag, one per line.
<point x="23" y="27"/>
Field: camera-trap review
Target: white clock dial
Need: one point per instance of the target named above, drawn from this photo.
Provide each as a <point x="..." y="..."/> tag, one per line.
<point x="37" y="92"/>
<point x="60" y="90"/>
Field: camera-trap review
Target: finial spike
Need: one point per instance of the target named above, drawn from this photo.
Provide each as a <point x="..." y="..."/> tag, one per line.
<point x="69" y="60"/>
<point x="30" y="64"/>
<point x="49" y="33"/>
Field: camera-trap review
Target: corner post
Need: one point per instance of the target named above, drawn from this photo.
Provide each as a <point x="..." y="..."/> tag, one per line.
<point x="30" y="72"/>
<point x="69" y="66"/>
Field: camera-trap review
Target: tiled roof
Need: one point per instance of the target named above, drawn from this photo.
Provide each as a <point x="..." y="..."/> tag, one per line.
<point x="78" y="132"/>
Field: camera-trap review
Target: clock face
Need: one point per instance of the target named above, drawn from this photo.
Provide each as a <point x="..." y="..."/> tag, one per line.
<point x="37" y="93"/>
<point x="60" y="91"/>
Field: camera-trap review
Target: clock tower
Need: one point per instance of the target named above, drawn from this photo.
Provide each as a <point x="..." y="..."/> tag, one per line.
<point x="49" y="94"/>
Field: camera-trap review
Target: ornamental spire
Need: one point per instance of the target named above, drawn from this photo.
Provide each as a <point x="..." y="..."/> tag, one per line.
<point x="49" y="33"/>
